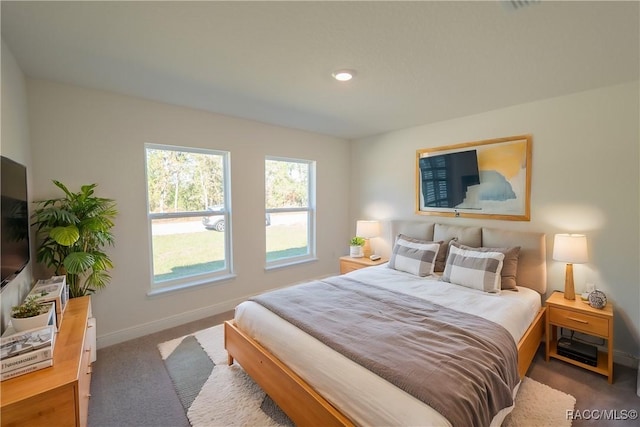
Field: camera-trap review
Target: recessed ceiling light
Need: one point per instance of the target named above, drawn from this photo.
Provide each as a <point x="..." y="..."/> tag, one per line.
<point x="343" y="75"/>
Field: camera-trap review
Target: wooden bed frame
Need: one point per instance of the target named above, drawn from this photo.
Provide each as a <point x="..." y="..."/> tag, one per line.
<point x="299" y="400"/>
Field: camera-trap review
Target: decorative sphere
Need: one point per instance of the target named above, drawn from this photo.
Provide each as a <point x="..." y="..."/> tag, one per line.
<point x="597" y="299"/>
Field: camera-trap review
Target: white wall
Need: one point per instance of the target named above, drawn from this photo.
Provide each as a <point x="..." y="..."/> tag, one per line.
<point x="15" y="145"/>
<point x="585" y="178"/>
<point x="82" y="136"/>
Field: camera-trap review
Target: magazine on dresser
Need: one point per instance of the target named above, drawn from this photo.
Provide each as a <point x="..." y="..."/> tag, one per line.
<point x="26" y="369"/>
<point x="26" y="341"/>
<point x="25" y="359"/>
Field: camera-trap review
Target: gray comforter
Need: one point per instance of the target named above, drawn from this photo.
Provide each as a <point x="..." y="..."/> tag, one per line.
<point x="463" y="366"/>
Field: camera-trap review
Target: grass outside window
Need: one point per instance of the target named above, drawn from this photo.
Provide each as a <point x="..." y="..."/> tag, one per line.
<point x="181" y="254"/>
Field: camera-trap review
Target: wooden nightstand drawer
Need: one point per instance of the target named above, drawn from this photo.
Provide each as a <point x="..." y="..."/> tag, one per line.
<point x="582" y="322"/>
<point x="346" y="267"/>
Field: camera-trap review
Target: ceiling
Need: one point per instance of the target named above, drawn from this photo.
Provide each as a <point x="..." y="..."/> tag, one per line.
<point x="416" y="62"/>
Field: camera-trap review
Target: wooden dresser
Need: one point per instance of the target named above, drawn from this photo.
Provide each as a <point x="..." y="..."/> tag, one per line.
<point x="59" y="395"/>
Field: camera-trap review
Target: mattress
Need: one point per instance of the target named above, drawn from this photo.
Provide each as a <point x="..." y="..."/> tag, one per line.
<point x="359" y="394"/>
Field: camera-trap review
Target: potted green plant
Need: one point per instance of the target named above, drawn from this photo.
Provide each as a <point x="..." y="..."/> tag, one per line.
<point x="356" y="245"/>
<point x="30" y="314"/>
<point x="73" y="231"/>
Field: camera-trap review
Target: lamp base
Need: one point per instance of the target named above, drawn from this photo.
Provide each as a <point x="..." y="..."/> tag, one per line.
<point x="367" y="248"/>
<point x="569" y="289"/>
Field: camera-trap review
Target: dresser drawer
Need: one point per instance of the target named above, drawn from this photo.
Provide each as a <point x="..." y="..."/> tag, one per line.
<point x="84" y="383"/>
<point x="582" y="322"/>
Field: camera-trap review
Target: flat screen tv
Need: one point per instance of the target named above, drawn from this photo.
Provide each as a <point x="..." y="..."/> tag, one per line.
<point x="446" y="177"/>
<point x="14" y="228"/>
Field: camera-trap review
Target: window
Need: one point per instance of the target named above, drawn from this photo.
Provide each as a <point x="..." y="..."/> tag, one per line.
<point x="188" y="211"/>
<point x="290" y="209"/>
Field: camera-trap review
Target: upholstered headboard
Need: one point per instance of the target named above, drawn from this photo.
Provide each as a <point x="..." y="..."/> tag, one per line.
<point x="532" y="262"/>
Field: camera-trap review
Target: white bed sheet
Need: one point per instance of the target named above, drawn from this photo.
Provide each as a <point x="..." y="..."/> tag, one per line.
<point x="358" y="393"/>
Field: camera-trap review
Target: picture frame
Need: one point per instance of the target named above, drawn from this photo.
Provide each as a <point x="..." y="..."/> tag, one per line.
<point x="488" y="179"/>
<point x="54" y="290"/>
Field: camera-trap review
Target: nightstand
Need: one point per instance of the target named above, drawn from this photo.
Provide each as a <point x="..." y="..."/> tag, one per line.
<point x="579" y="316"/>
<point x="348" y="264"/>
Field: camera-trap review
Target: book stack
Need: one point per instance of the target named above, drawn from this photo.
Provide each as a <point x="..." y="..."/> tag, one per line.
<point x="53" y="290"/>
<point x="26" y="351"/>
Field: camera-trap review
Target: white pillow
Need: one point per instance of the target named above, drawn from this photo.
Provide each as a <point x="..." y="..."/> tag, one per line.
<point x="474" y="269"/>
<point x="414" y="256"/>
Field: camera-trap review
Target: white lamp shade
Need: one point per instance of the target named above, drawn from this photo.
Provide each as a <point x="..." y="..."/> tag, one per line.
<point x="367" y="229"/>
<point x="570" y="248"/>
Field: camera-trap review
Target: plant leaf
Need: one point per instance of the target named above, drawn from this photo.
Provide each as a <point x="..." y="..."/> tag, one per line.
<point x="65" y="236"/>
<point x="87" y="190"/>
<point x="98" y="279"/>
<point x="62" y="187"/>
<point x="102" y="261"/>
<point x="78" y="262"/>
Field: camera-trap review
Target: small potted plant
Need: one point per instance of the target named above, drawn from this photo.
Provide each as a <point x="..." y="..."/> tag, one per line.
<point x="356" y="245"/>
<point x="30" y="314"/>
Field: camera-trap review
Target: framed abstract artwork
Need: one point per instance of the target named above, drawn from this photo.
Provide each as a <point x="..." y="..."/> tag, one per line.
<point x="481" y="179"/>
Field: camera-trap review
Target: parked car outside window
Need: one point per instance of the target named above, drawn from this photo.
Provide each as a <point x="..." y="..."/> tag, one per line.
<point x="215" y="221"/>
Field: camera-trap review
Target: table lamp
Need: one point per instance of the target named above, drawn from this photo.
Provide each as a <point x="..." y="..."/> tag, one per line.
<point x="367" y="230"/>
<point x="572" y="249"/>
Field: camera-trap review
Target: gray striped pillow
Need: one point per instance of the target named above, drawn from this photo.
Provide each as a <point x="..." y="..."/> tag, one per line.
<point x="414" y="256"/>
<point x="509" y="264"/>
<point x="474" y="269"/>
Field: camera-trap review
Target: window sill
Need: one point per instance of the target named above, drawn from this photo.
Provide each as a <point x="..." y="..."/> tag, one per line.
<point x="285" y="264"/>
<point x="189" y="285"/>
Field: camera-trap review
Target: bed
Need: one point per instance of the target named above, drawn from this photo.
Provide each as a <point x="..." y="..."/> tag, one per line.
<point x="316" y="385"/>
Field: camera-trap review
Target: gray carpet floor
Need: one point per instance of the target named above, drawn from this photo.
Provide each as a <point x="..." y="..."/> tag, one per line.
<point x="130" y="385"/>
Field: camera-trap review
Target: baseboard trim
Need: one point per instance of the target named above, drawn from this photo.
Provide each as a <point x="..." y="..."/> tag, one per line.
<point x="138" y="331"/>
<point x="625" y="359"/>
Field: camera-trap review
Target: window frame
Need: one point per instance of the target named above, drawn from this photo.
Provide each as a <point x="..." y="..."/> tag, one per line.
<point x="310" y="209"/>
<point x="160" y="287"/>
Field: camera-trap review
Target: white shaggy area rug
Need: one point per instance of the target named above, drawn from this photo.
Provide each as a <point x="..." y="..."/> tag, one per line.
<point x="215" y="394"/>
